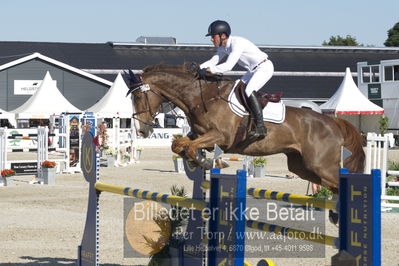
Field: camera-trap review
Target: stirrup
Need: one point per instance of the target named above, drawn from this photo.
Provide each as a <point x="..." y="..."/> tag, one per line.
<point x="256" y="135"/>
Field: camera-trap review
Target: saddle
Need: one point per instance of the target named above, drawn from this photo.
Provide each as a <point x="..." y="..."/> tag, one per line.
<point x="246" y="124"/>
<point x="263" y="98"/>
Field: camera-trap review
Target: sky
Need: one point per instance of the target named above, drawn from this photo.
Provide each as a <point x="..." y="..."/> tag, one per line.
<point x="264" y="22"/>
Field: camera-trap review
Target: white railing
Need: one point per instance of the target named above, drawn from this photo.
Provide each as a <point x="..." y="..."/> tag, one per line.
<point x="33" y="140"/>
<point x="377" y="158"/>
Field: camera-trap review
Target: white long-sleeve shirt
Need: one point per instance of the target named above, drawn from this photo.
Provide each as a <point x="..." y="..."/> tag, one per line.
<point x="239" y="50"/>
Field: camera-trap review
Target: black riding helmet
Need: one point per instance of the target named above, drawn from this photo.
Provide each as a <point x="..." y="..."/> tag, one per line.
<point x="219" y="27"/>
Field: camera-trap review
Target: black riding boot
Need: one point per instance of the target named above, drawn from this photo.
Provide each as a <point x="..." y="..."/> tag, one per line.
<point x="257" y="113"/>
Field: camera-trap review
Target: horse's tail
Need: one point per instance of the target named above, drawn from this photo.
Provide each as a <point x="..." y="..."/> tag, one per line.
<point x="353" y="142"/>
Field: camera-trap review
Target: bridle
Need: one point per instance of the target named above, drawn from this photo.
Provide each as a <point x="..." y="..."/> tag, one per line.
<point x="144" y="88"/>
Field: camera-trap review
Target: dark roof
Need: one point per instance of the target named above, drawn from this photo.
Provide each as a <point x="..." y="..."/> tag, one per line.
<point x="117" y="56"/>
<point x="98" y="56"/>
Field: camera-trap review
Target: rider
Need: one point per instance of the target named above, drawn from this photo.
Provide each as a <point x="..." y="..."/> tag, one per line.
<point x="239" y="50"/>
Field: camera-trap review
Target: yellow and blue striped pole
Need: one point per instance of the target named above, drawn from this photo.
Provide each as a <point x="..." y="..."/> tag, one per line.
<point x="293" y="233"/>
<point x="154" y="196"/>
<point x="292" y="198"/>
<point x="287" y="197"/>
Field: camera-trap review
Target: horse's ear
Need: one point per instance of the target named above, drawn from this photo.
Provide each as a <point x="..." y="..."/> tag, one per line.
<point x="131" y="77"/>
<point x="134" y="78"/>
<point x="126" y="77"/>
<point x="134" y="81"/>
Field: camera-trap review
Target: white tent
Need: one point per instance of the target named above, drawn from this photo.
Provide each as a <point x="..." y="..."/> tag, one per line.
<point x="350" y="103"/>
<point x="46" y="101"/>
<point x="114" y="103"/>
<point x="9" y="116"/>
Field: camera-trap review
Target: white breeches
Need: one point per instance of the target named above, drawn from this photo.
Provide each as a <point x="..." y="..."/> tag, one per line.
<point x="256" y="79"/>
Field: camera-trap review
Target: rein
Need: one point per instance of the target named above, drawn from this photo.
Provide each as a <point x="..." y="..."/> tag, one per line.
<point x="203" y="102"/>
<point x="145" y="89"/>
<point x="202" y="96"/>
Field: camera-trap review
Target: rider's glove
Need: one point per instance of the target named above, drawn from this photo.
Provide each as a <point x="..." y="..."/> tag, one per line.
<point x="193" y="67"/>
<point x="202" y="72"/>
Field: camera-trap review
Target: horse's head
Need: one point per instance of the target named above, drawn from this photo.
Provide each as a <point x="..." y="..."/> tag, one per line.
<point x="163" y="83"/>
<point x="146" y="102"/>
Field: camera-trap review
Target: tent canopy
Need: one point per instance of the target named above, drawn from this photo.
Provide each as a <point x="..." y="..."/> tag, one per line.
<point x="114" y="103"/>
<point x="46" y="101"/>
<point x="7" y="115"/>
<point x="348" y="99"/>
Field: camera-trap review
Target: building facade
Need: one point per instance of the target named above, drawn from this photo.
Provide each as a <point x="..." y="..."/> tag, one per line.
<point x="84" y="72"/>
<point x="379" y="81"/>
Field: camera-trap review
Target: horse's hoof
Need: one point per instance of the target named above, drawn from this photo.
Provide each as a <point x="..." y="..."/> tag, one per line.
<point x="333" y="217"/>
<point x="207" y="164"/>
<point x="220" y="163"/>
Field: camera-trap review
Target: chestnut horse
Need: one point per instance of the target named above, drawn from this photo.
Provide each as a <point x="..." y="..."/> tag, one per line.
<point x="311" y="141"/>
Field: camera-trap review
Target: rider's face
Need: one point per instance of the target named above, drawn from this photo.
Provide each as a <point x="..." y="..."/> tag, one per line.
<point x="219" y="40"/>
<point x="216" y="40"/>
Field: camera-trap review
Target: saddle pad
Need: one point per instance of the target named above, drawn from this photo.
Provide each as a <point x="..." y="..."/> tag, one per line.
<point x="273" y="112"/>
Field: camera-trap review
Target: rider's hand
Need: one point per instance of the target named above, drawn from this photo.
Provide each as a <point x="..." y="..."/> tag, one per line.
<point x="193" y="67"/>
<point x="202" y="72"/>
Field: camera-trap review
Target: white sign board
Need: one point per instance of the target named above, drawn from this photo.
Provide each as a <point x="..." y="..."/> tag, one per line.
<point x="160" y="137"/>
<point x="27" y="87"/>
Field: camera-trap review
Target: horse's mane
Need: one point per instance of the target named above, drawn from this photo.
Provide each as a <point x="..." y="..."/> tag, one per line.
<point x="164" y="67"/>
<point x="179" y="69"/>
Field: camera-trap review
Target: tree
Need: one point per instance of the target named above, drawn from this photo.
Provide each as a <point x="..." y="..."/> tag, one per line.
<point x="340" y="41"/>
<point x="393" y="36"/>
<point x="383" y="124"/>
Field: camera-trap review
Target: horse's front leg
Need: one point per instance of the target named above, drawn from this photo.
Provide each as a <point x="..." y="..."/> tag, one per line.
<point x="208" y="140"/>
<point x="179" y="145"/>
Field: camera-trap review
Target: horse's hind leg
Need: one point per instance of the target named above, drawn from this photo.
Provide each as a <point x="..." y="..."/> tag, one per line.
<point x="326" y="167"/>
<point x="297" y="166"/>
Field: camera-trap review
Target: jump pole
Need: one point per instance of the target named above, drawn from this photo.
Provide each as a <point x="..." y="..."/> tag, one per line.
<point x="223" y="193"/>
<point x="359" y="208"/>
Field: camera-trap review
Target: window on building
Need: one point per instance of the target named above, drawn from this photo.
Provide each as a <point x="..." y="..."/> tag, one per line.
<point x="396" y="72"/>
<point x="391" y="73"/>
<point x="366" y="74"/>
<point x="388" y="73"/>
<point x="375" y="74"/>
<point x="370" y="74"/>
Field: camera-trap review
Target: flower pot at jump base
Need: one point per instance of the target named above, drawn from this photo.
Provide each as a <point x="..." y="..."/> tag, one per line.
<point x="250" y="169"/>
<point x="138" y="154"/>
<point x="259" y="171"/>
<point x="49" y="176"/>
<point x="7" y="181"/>
<point x="173" y="259"/>
<point x="178" y="163"/>
<point x="110" y="161"/>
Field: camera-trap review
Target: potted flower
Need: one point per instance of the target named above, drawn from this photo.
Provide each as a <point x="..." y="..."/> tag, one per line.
<point x="138" y="151"/>
<point x="177" y="136"/>
<point x="178" y="163"/>
<point x="259" y="164"/>
<point x="6" y="174"/>
<point x="126" y="157"/>
<point x="48" y="172"/>
<point x="103" y="149"/>
<point x="171" y="225"/>
<point x="324" y="193"/>
<point x="110" y="154"/>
